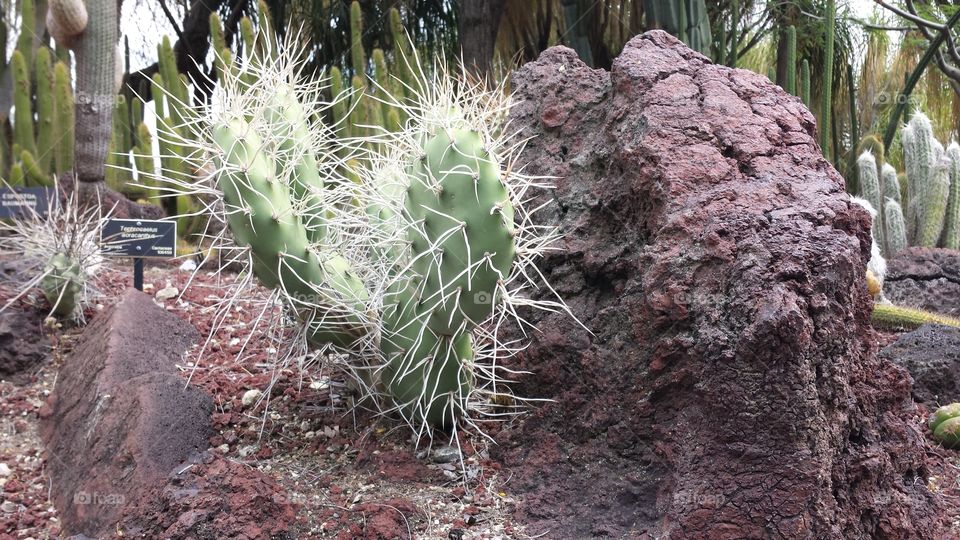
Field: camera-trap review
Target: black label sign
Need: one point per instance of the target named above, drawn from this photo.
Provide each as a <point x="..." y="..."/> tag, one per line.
<point x="139" y="238"/>
<point x="27" y="201"/>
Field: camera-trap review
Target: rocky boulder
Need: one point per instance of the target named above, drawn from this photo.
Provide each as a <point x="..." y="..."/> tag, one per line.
<point x="726" y="387"/>
<point x="931" y="354"/>
<point x="124" y="434"/>
<point x="925" y="278"/>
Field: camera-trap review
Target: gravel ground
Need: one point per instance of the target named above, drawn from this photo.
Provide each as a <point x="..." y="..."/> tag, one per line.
<point x="350" y="473"/>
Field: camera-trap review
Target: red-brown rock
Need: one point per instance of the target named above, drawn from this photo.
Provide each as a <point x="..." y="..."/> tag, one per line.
<point x="729" y="388"/>
<point x="126" y="438"/>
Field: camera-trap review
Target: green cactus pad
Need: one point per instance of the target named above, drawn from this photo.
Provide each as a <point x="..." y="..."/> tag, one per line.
<point x="463" y="236"/>
<point x="428" y="376"/>
<point x="261" y="216"/>
<point x="288" y="122"/>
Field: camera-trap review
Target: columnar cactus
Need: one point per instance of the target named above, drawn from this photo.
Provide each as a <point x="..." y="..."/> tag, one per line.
<point x="951" y="227"/>
<point x="896" y="228"/>
<point x="889" y="183"/>
<point x="945" y="425"/>
<point x="869" y="180"/>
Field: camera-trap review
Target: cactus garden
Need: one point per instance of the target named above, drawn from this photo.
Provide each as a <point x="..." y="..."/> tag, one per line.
<point x="477" y="270"/>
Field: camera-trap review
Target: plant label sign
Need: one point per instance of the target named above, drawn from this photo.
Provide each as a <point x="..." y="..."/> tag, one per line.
<point x="139" y="238"/>
<point x="27" y="201"/>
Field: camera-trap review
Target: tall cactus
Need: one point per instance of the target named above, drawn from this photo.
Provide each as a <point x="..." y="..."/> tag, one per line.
<point x="791" y="80"/>
<point x="23" y="112"/>
<point x="951" y="228"/>
<point x="826" y="102"/>
<point x="805" y="82"/>
<point x="63" y="103"/>
<point x="869" y="181"/>
<point x="45" y="111"/>
<point x="896" y="228"/>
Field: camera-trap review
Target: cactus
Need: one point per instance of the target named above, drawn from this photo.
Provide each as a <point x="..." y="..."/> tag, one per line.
<point x="63" y="105"/>
<point x="25" y="42"/>
<point x="869" y="181"/>
<point x="888" y="316"/>
<point x="951" y="227"/>
<point x="895" y="230"/>
<point x="918" y="156"/>
<point x="62" y="284"/>
<point x="889" y="183"/>
<point x="826" y="102"/>
<point x="69" y="16"/>
<point x="945" y="425"/>
<point x="357" y="55"/>
<point x="23" y="113"/>
<point x="805" y="82"/>
<point x="45" y="111"/>
<point x="33" y="170"/>
<point x="933" y="206"/>
<point x="791" y="80"/>
<point x="395" y="256"/>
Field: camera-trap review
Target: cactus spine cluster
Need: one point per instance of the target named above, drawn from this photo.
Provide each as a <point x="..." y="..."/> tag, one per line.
<point x="945" y="425"/>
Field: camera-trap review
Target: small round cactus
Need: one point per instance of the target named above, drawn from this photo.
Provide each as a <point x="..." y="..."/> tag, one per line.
<point x="945" y="424"/>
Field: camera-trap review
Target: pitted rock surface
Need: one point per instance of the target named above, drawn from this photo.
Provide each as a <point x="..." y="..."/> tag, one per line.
<point x="728" y="388"/>
<point x="931" y="354"/>
<point x="925" y="278"/>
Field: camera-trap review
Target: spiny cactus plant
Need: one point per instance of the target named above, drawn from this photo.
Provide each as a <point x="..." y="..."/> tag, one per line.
<point x="945" y="425"/>
<point x="412" y="262"/>
<point x="927" y="212"/>
<point x="60" y="254"/>
<point x="894" y="317"/>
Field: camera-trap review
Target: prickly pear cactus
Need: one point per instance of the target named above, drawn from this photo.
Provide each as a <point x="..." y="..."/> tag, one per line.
<point x="405" y="250"/>
<point x="945" y="425"/>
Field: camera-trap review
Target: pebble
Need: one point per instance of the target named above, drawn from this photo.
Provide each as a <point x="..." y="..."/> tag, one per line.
<point x="250" y="397"/>
<point x="445" y="454"/>
<point x="167" y="293"/>
<point x="5" y="470"/>
<point x="188" y="265"/>
<point x="247" y="450"/>
<point x="223" y="448"/>
<point x="8" y="507"/>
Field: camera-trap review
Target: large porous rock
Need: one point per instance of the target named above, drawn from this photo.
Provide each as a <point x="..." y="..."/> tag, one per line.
<point x="931" y="354"/>
<point x="925" y="278"/>
<point x="120" y="424"/>
<point x="723" y="383"/>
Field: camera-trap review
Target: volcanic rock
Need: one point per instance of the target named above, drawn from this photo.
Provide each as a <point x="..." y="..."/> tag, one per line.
<point x="723" y="383"/>
<point x="925" y="278"/>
